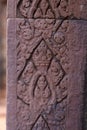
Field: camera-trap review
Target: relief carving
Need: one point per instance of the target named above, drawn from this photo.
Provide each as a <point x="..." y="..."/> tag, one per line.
<point x="40" y="82"/>
<point x="41" y="124"/>
<point x="43" y="8"/>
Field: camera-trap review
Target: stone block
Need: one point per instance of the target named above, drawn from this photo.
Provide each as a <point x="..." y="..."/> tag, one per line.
<point x="46" y="70"/>
<point x="51" y="9"/>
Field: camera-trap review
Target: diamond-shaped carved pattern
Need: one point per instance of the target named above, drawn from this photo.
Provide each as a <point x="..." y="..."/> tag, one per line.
<point x="40" y="78"/>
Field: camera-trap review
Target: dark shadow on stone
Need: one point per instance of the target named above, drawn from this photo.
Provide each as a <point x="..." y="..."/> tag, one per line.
<point x="84" y="118"/>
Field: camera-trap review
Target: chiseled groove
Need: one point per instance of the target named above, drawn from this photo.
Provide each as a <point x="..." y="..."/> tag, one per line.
<point x="22" y="100"/>
<point x="59" y="4"/>
<point x="46" y="122"/>
<point x="35" y="122"/>
<point x="62" y="99"/>
<point x="36" y="8"/>
<point x="51" y="8"/>
<point x="55" y="57"/>
<point x="28" y="59"/>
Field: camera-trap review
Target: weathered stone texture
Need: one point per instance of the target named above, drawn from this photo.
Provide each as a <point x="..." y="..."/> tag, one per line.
<point x="11" y="76"/>
<point x="47" y="60"/>
<point x="72" y="9"/>
<point x="47" y="78"/>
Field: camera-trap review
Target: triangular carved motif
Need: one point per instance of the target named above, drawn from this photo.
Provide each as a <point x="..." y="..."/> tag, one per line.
<point x="40" y="124"/>
<point x="35" y="8"/>
<point x="44" y="10"/>
<point x="42" y="56"/>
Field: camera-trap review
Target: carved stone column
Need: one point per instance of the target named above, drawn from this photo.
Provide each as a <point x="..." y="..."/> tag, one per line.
<point x="47" y="44"/>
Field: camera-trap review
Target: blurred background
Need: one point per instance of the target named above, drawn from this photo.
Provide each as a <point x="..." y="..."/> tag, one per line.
<point x="3" y="5"/>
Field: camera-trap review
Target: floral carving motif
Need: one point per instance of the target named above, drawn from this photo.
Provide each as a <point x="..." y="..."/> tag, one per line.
<point x="40" y="77"/>
<point x="42" y="56"/>
<point x="43" y="8"/>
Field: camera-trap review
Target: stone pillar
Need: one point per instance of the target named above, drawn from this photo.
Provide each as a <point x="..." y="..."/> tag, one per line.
<point x="47" y="48"/>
